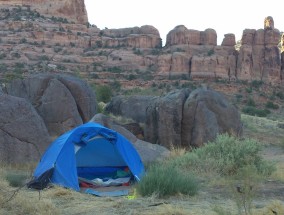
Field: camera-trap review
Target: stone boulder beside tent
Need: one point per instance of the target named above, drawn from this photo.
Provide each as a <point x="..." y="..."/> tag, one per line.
<point x="23" y="134"/>
<point x="63" y="102"/>
<point x="148" y="152"/>
<point x="184" y="118"/>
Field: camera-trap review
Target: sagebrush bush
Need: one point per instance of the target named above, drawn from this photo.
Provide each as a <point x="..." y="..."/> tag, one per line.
<point x="226" y="155"/>
<point x="166" y="180"/>
<point x="16" y="179"/>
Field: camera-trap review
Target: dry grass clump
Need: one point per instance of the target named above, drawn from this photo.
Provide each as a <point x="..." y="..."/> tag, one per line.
<point x="263" y="129"/>
<point x="169" y="209"/>
<point x="177" y="152"/>
<point x="22" y="204"/>
<point x="13" y="201"/>
<point x="275" y="207"/>
<point x="279" y="173"/>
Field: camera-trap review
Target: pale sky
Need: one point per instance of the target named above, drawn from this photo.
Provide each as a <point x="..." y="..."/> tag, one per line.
<point x="224" y="16"/>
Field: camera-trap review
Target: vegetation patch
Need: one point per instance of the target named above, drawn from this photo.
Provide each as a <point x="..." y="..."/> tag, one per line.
<point x="225" y="156"/>
<point x="167" y="180"/>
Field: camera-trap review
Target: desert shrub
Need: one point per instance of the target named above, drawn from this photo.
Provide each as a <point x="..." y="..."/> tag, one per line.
<point x="101" y="107"/>
<point x="275" y="207"/>
<point x="271" y="105"/>
<point x="253" y="111"/>
<point x="16" y="179"/>
<point x="244" y="191"/>
<point x="256" y="83"/>
<point x="280" y="95"/>
<point x="103" y="93"/>
<point x="226" y="155"/>
<point x="167" y="180"/>
<point x="210" y="52"/>
<point x="251" y="102"/>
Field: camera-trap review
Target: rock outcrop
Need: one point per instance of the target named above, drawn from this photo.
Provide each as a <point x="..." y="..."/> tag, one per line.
<point x="71" y="10"/>
<point x="184" y="118"/>
<point x="130" y="107"/>
<point x="37" y="42"/>
<point x="23" y="134"/>
<point x="181" y="35"/>
<point x="259" y="57"/>
<point x="63" y="102"/>
<point x="206" y="114"/>
<point x="147" y="151"/>
<point x="144" y="37"/>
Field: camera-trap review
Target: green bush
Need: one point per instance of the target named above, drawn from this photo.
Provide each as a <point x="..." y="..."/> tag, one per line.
<point x="103" y="93"/>
<point x="226" y="155"/>
<point x="16" y="179"/>
<point x="271" y="105"/>
<point x="256" y="83"/>
<point x="251" y="102"/>
<point x="253" y="111"/>
<point x="167" y="180"/>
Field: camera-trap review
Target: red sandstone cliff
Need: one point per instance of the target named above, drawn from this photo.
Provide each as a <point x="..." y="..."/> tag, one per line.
<point x="72" y="10"/>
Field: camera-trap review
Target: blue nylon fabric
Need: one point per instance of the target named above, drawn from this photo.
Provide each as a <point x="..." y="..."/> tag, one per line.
<point x="130" y="156"/>
<point x="104" y="152"/>
<point x="115" y="150"/>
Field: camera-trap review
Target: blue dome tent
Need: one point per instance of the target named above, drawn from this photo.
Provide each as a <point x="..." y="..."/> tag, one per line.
<point x="89" y="149"/>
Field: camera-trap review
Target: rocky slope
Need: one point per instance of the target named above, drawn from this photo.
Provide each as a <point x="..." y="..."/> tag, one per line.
<point x="73" y="10"/>
<point x="53" y="37"/>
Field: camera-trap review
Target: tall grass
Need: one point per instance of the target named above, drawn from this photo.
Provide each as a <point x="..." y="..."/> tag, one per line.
<point x="225" y="156"/>
<point x="166" y="180"/>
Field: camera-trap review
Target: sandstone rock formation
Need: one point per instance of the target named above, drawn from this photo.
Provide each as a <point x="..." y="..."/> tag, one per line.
<point x="72" y="10"/>
<point x="183" y="118"/>
<point x="63" y="102"/>
<point x="147" y="151"/>
<point x="259" y="57"/>
<point x="181" y="35"/>
<point x="268" y="23"/>
<point x="23" y="134"/>
<point x="144" y="37"/>
<point x="39" y="43"/>
<point x="229" y="40"/>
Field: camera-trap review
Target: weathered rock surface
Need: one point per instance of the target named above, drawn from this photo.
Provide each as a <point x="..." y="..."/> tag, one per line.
<point x="102" y="56"/>
<point x="63" y="102"/>
<point x="133" y="107"/>
<point x="206" y="114"/>
<point x="186" y="119"/>
<point x="23" y="134"/>
<point x="72" y="10"/>
<point x="229" y="40"/>
<point x="181" y="35"/>
<point x="164" y="118"/>
<point x="144" y="37"/>
<point x="259" y="57"/>
<point x="147" y="151"/>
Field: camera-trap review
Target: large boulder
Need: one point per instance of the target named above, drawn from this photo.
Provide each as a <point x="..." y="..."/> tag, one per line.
<point x="133" y="107"/>
<point x="185" y="119"/>
<point x="206" y="114"/>
<point x="23" y="134"/>
<point x="148" y="152"/>
<point x="63" y="102"/>
<point x="164" y="118"/>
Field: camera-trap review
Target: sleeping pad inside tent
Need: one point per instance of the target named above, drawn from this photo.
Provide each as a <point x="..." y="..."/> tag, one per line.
<point x="92" y="158"/>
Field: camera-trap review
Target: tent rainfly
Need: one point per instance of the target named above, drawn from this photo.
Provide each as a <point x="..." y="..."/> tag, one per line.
<point x="89" y="149"/>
